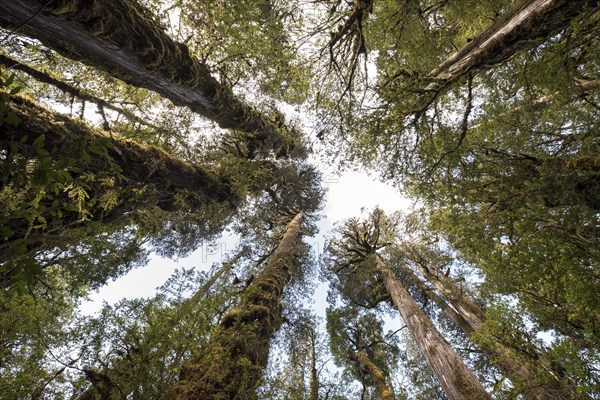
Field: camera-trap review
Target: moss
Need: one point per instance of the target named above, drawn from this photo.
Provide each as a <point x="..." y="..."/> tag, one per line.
<point x="231" y="366"/>
<point x="129" y="26"/>
<point x="90" y="159"/>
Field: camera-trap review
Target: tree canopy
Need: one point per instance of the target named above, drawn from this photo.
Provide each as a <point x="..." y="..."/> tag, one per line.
<point x="137" y="129"/>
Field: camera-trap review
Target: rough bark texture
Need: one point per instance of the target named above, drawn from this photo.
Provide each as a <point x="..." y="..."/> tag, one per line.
<point x="470" y="312"/>
<point x="537" y="383"/>
<point x="525" y="24"/>
<point x="376" y="375"/>
<point x="165" y="181"/>
<point x="232" y="364"/>
<point x="454" y="376"/>
<point x="121" y="38"/>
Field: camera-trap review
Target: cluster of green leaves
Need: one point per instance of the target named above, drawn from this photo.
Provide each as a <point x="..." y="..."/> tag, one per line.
<point x="34" y="327"/>
<point x="40" y="187"/>
<point x="7" y="89"/>
<point x="248" y="43"/>
<point x="351" y="332"/>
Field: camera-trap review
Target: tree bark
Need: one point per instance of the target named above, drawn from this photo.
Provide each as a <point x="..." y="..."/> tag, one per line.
<point x="122" y="39"/>
<point x="528" y="22"/>
<point x="166" y="181"/>
<point x="232" y="364"/>
<point x="376" y="375"/>
<point x="472" y="314"/>
<point x="454" y="376"/>
<point x="534" y="382"/>
<point x="314" y="377"/>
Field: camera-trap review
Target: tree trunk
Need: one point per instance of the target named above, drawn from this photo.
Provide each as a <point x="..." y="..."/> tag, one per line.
<point x="454" y="376"/>
<point x="81" y="94"/>
<point x="142" y="175"/>
<point x="468" y="310"/>
<point x="314" y="377"/>
<point x="121" y="38"/>
<point x="528" y="22"/>
<point x="225" y="268"/>
<point x="232" y="364"/>
<point x="534" y="378"/>
<point x="376" y="375"/>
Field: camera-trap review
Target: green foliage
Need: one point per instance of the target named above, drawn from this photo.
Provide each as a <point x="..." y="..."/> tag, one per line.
<point x="42" y="185"/>
<point x="34" y="330"/>
<point x="351" y="332"/>
<point x="248" y="42"/>
<point x="137" y="347"/>
<point x="7" y="88"/>
<point x="505" y="163"/>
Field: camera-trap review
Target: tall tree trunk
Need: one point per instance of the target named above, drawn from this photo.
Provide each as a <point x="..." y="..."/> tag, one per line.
<point x="232" y="365"/>
<point x="452" y="373"/>
<point x="375" y="373"/>
<point x="528" y="22"/>
<point x="468" y="310"/>
<point x="121" y="38"/>
<point x="532" y="374"/>
<point x="225" y="268"/>
<point x="165" y="181"/>
<point x="314" y="377"/>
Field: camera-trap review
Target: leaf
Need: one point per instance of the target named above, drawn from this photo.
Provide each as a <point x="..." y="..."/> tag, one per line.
<point x="85" y="157"/>
<point x="9" y="81"/>
<point x="99" y="150"/>
<point x="12" y="119"/>
<point x="39" y="141"/>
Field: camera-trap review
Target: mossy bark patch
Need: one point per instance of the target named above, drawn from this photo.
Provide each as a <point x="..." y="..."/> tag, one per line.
<point x="231" y="367"/>
<point x="121" y="38"/>
<point x="140" y="175"/>
<point x="376" y="375"/>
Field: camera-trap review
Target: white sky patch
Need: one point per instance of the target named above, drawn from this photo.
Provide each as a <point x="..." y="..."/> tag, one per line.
<point x="352" y="191"/>
<point x="347" y="194"/>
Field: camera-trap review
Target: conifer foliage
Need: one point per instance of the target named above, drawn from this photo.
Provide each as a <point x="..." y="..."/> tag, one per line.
<point x="133" y="129"/>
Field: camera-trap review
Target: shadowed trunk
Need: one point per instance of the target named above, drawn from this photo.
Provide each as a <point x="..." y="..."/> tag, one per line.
<point x="314" y="377"/>
<point x="454" y="376"/>
<point x="141" y="175"/>
<point x="122" y="38"/>
<point x="43" y="77"/>
<point x="232" y="364"/>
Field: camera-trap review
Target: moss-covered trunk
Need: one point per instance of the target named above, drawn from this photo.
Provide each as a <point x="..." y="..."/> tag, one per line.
<point x="532" y="377"/>
<point x="123" y="39"/>
<point x="231" y="366"/>
<point x="456" y="379"/>
<point x="67" y="174"/>
<point x="375" y="373"/>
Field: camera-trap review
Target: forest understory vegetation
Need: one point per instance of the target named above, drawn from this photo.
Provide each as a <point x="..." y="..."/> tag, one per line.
<point x="137" y="129"/>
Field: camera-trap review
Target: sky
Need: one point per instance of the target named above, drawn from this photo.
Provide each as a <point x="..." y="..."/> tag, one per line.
<point x="347" y="194"/>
